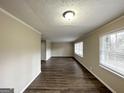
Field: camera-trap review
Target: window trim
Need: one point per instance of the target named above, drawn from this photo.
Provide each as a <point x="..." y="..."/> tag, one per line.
<point x="110" y="69"/>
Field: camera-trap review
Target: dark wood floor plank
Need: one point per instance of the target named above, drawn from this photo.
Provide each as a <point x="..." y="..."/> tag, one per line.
<point x="64" y="75"/>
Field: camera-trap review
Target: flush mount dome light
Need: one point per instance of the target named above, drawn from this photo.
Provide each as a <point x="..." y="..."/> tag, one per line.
<point x="69" y="15"/>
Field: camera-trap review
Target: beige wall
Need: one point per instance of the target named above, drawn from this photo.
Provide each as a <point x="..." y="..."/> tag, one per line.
<point x="43" y="50"/>
<point x="20" y="53"/>
<point x="62" y="49"/>
<point x="91" y="56"/>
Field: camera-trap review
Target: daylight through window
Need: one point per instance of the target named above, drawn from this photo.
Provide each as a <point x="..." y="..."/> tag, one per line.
<point x="112" y="52"/>
<point x="79" y="48"/>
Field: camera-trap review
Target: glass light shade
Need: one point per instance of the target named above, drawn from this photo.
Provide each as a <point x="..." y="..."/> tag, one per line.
<point x="68" y="15"/>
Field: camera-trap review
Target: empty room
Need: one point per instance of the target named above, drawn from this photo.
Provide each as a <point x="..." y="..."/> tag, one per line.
<point x="61" y="46"/>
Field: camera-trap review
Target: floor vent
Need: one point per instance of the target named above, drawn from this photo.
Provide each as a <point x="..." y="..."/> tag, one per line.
<point x="6" y="90"/>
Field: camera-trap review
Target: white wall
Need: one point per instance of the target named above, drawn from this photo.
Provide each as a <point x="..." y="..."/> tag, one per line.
<point x="48" y="50"/>
<point x="63" y="49"/>
<point x="20" y="53"/>
<point x="91" y="56"/>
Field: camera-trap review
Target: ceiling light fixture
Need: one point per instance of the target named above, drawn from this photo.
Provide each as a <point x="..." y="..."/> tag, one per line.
<point x="69" y="15"/>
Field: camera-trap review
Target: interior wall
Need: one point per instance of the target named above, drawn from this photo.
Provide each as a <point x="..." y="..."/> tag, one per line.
<point x="43" y="50"/>
<point x="48" y="50"/>
<point x="20" y="53"/>
<point x="62" y="49"/>
<point x="91" y="56"/>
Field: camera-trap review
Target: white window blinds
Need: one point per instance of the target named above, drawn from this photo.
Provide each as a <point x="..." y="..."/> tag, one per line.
<point x="112" y="51"/>
<point x="79" y="48"/>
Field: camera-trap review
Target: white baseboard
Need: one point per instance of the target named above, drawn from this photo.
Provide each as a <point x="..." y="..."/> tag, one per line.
<point x="30" y="83"/>
<point x="112" y="90"/>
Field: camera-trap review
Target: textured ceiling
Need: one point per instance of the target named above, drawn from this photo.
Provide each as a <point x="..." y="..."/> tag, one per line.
<point x="46" y="15"/>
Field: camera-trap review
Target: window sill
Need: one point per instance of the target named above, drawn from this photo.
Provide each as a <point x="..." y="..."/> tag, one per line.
<point x="111" y="70"/>
<point x="79" y="55"/>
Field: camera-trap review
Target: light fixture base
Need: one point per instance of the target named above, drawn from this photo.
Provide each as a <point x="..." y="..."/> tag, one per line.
<point x="69" y="14"/>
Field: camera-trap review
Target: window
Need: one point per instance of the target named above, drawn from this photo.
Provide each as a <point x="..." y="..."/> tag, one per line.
<point x="112" y="52"/>
<point x="79" y="48"/>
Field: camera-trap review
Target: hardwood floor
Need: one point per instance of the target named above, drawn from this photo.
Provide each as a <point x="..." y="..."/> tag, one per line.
<point x="64" y="75"/>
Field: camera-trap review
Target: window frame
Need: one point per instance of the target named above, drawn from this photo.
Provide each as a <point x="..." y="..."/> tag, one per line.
<point x="108" y="68"/>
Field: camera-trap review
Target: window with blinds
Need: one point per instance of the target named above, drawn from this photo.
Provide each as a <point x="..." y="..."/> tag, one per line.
<point x="78" y="47"/>
<point x="112" y="52"/>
